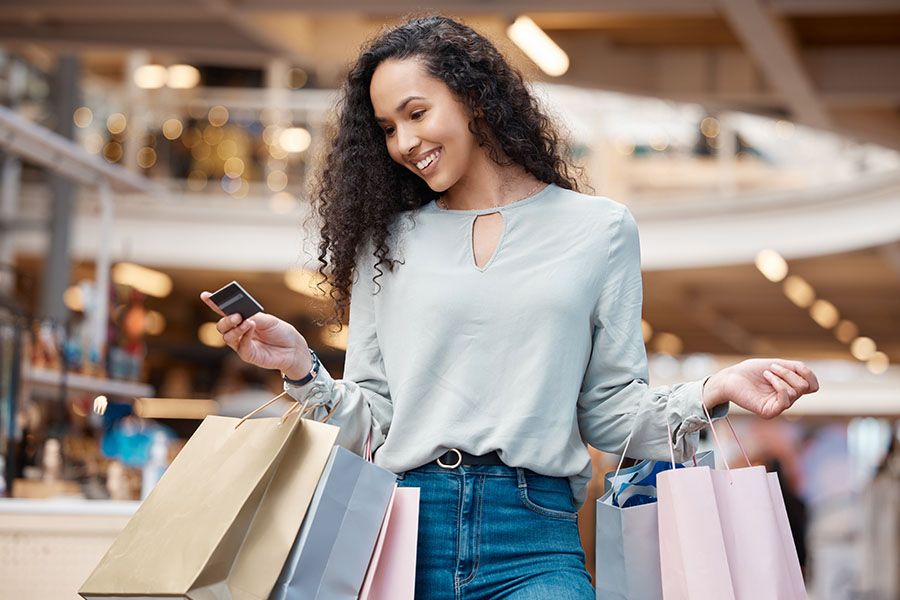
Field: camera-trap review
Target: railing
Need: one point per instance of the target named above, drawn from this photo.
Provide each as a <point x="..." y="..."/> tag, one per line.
<point x="634" y="149"/>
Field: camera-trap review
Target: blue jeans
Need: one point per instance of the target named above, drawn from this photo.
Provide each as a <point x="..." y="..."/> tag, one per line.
<point x="496" y="532"/>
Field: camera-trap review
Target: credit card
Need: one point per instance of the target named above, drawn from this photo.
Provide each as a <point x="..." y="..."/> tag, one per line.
<point x="232" y="298"/>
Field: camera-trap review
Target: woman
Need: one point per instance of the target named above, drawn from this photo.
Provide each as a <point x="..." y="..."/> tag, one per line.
<point x="508" y="333"/>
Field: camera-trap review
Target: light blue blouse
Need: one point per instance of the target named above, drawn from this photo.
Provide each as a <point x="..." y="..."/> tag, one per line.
<point x="535" y="355"/>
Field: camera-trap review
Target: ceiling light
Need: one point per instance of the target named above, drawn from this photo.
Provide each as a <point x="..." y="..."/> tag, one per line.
<point x="116" y="123"/>
<point x="846" y="331"/>
<point x="710" y="127"/>
<point x="183" y="77"/>
<point x="210" y="336"/>
<point x="234" y="167"/>
<point x="824" y="313"/>
<point x="771" y="265"/>
<point x="218" y="116"/>
<point x="172" y="129"/>
<point x="799" y="291"/>
<point x="538" y="46"/>
<point x="294" y="139"/>
<point x="82" y="116"/>
<point x="863" y="348"/>
<point x="277" y="181"/>
<point x="878" y="364"/>
<point x="147" y="281"/>
<point x="151" y="77"/>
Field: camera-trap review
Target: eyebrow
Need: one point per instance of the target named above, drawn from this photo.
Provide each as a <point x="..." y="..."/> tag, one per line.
<point x="400" y="106"/>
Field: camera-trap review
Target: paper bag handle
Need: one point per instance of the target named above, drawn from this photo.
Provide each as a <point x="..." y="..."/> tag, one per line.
<point x="304" y="409"/>
<point x="717" y="443"/>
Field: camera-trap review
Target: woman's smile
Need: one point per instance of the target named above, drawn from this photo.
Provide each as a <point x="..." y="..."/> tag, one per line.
<point x="427" y="165"/>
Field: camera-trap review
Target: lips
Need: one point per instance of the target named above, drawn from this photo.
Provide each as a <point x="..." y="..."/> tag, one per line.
<point x="433" y="164"/>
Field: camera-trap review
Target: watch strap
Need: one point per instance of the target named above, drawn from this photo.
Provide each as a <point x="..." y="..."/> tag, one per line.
<point x="309" y="376"/>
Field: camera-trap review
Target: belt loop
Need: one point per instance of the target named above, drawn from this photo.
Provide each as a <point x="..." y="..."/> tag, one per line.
<point x="520" y="478"/>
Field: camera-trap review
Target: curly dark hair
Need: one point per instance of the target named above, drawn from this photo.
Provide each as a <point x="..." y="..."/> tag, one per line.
<point x="360" y="190"/>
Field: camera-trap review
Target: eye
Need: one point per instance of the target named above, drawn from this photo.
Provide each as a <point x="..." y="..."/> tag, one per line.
<point x="418" y="114"/>
<point x="388" y="130"/>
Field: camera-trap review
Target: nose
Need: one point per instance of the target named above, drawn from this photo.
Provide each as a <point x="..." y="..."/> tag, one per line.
<point x="407" y="140"/>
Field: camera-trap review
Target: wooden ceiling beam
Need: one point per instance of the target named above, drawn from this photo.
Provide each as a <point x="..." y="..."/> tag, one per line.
<point x="768" y="39"/>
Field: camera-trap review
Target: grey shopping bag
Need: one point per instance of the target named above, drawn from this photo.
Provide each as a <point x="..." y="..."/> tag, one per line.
<point x="627" y="556"/>
<point x="331" y="553"/>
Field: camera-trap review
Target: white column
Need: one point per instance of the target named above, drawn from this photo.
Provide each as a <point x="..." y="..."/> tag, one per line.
<point x="135" y="110"/>
<point x="278" y="72"/>
<point x="10" y="184"/>
<point x="725" y="157"/>
<point x="101" y="275"/>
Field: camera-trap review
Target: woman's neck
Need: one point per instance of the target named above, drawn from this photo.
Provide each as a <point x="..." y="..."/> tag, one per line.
<point x="489" y="186"/>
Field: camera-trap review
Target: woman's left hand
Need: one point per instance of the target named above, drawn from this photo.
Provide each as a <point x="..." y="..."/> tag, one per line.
<point x="763" y="386"/>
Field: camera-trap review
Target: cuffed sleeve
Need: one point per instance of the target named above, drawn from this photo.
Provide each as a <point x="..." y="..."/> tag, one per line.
<point x="615" y="397"/>
<point x="361" y="398"/>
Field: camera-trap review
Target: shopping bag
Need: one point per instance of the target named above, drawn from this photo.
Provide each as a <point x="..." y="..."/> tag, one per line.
<point x="724" y="535"/>
<point x="332" y="550"/>
<point x="221" y="521"/>
<point x="392" y="570"/>
<point x="627" y="550"/>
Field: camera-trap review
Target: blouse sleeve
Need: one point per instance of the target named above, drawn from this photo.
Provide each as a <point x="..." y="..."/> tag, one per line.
<point x="615" y="398"/>
<point x="362" y="396"/>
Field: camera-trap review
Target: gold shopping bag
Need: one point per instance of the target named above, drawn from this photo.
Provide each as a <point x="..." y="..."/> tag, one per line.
<point x="221" y="521"/>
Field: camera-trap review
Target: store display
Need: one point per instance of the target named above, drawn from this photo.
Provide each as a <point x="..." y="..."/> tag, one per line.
<point x="156" y="464"/>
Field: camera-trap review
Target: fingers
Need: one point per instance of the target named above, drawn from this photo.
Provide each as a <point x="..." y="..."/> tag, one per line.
<point x="243" y="345"/>
<point x="798" y="383"/>
<point x="226" y="324"/>
<point x="205" y="296"/>
<point x="797" y="367"/>
<point x="784" y="393"/>
<point x="233" y="335"/>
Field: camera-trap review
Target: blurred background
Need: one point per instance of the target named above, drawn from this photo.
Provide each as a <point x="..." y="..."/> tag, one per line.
<point x="154" y="150"/>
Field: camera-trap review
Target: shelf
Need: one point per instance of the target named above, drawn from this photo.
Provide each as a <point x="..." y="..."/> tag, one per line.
<point x="75" y="382"/>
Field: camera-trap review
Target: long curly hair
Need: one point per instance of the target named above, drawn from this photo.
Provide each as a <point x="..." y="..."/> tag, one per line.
<point x="360" y="190"/>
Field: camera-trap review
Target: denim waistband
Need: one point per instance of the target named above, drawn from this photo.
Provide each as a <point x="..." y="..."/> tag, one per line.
<point x="517" y="473"/>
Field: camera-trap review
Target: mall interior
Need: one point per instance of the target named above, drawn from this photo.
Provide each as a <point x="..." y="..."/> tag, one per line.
<point x="151" y="151"/>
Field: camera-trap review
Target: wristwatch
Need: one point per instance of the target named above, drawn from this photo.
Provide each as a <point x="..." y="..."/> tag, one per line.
<point x="309" y="376"/>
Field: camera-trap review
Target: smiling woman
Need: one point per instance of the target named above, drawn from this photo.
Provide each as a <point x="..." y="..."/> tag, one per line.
<point x="508" y="339"/>
<point x="430" y="87"/>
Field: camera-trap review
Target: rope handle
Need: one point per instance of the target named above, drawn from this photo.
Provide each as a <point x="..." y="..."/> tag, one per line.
<point x="304" y="409"/>
<point x="717" y="442"/>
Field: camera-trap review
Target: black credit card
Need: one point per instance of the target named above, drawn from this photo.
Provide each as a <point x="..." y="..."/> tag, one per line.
<point x="232" y="298"/>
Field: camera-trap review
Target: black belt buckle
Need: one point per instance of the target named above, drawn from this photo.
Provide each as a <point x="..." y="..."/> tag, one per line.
<point x="454" y="457"/>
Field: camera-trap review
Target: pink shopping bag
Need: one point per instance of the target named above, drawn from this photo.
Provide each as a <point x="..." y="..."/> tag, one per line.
<point x="392" y="570"/>
<point x="724" y="535"/>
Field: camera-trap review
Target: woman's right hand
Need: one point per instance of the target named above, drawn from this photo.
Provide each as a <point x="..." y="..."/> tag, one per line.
<point x="263" y="340"/>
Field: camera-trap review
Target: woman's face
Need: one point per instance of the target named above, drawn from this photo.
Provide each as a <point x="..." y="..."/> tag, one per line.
<point x="420" y="116"/>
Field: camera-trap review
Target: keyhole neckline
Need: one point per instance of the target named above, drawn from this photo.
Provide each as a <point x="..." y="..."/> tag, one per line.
<point x="493" y="209"/>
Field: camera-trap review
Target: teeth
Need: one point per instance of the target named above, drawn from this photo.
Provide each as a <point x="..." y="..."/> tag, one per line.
<point x="427" y="160"/>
